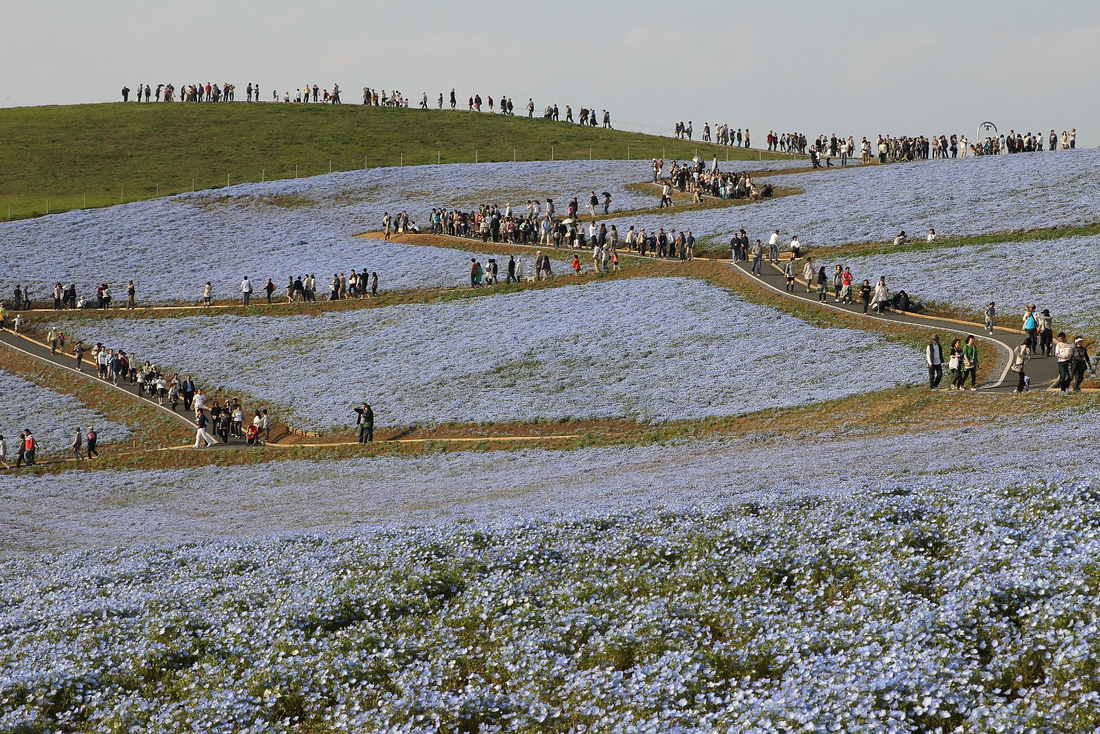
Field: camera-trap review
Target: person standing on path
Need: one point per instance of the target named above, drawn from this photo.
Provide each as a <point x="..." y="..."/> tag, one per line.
<point x="773" y="247"/>
<point x="788" y="272"/>
<point x="933" y="357"/>
<point x="207" y="294"/>
<point x="1031" y="323"/>
<point x="93" y="439"/>
<point x="1046" y="333"/>
<point x="865" y="295"/>
<point x="21" y="449"/>
<point x="77" y="444"/>
<point x="1063" y="353"/>
<point x="269" y="290"/>
<point x="954" y="362"/>
<point x="838" y="283"/>
<point x="970" y="363"/>
<point x="365" y="421"/>
<point x="822" y="285"/>
<point x="30" y="447"/>
<point x="990" y="314"/>
<point x="51" y="338"/>
<point x="187" y="391"/>
<point x="201" y="433"/>
<point x="1079" y="362"/>
<point x="78" y="352"/>
<point x="246" y="290"/>
<point x="881" y="297"/>
<point x="131" y="293"/>
<point x="757" y="259"/>
<point x="1021" y="355"/>
<point x="808" y="273"/>
<point x="4" y="453"/>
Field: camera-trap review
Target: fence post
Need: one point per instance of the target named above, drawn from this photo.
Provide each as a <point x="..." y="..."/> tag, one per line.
<point x="437" y="157"/>
<point x="330" y="165"/>
<point x="513" y="155"/>
<point x="263" y="175"/>
<point x="475" y="155"/>
<point x="121" y="193"/>
<point x="628" y="152"/>
<point x="551" y="152"/>
<point x="85" y="202"/>
<point x="192" y="185"/>
<point x="227" y="179"/>
<point x="401" y="160"/>
<point x="47" y="206"/>
<point x="295" y="170"/>
<point x="590" y="152"/>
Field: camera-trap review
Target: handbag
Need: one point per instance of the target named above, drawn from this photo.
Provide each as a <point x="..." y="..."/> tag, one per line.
<point x="953" y="363"/>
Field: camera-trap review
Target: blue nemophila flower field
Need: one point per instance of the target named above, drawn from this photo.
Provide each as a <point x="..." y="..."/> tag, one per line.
<point x="53" y="417"/>
<point x="651" y="349"/>
<point x="171" y="247"/>
<point x="904" y="608"/>
<point x="954" y="197"/>
<point x="1059" y="275"/>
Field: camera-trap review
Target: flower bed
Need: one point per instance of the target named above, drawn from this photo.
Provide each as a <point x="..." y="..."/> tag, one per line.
<point x="52" y="417"/>
<point x="647" y="349"/>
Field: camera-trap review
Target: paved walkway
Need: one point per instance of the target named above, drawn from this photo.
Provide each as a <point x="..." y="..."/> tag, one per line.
<point x="40" y="351"/>
<point x="1043" y="371"/>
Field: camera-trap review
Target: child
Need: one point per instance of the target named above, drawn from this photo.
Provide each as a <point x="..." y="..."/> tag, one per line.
<point x="577" y="265"/>
<point x="990" y="314"/>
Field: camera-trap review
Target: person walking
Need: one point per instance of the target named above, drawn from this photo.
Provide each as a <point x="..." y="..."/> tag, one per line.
<point x="4" y="452"/>
<point x="51" y="338"/>
<point x="78" y="352"/>
<point x="933" y="357"/>
<point x="881" y="297"/>
<point x="76" y="445"/>
<point x="1063" y="353"/>
<point x="757" y="259"/>
<point x="1079" y="362"/>
<point x="822" y="285"/>
<point x="954" y="363"/>
<point x="201" y="434"/>
<point x="1021" y="355"/>
<point x="865" y="295"/>
<point x="269" y="290"/>
<point x="970" y="363"/>
<point x="93" y="439"/>
<point x="788" y="272"/>
<point x="365" y="421"/>
<point x="246" y="290"/>
<point x="990" y="315"/>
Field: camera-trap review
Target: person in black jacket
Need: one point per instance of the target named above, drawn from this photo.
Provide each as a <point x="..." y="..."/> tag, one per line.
<point x="365" y="421"/>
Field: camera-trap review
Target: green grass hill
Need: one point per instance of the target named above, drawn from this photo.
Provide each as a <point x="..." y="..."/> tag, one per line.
<point x="68" y="157"/>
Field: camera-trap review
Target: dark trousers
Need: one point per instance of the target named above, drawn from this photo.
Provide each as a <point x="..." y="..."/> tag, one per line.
<point x="1020" y="381"/>
<point x="972" y="373"/>
<point x="188" y="397"/>
<point x="1063" y="376"/>
<point x="1078" y="376"/>
<point x="366" y="434"/>
<point x="935" y="374"/>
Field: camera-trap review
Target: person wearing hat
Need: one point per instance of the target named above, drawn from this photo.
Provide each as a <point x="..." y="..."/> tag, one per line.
<point x="1079" y="362"/>
<point x="1063" y="352"/>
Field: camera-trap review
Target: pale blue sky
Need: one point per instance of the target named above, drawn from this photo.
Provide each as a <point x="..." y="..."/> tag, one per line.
<point x="851" y="66"/>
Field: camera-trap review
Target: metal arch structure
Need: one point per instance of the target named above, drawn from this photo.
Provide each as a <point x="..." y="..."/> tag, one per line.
<point x="986" y="126"/>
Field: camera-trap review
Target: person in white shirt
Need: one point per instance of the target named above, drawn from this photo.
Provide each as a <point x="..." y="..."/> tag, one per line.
<point x="931" y="235"/>
<point x="246" y="290"/>
<point x="773" y="247"/>
<point x="796" y="246"/>
<point x="933" y="357"/>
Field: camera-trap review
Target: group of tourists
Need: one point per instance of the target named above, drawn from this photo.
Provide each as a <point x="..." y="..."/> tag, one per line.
<point x="65" y="297"/>
<point x="188" y="93"/>
<point x="722" y="134"/>
<point x="26" y="448"/>
<point x="701" y="181"/>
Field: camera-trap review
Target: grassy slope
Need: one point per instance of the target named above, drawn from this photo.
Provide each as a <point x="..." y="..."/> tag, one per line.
<point x="119" y="151"/>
